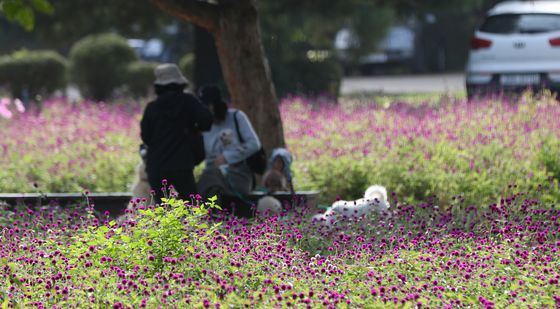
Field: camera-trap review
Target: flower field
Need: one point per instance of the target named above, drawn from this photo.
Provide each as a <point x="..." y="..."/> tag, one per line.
<point x="474" y="149"/>
<point x="69" y="148"/>
<point x="423" y="256"/>
<point x="474" y="219"/>
<point x="417" y="151"/>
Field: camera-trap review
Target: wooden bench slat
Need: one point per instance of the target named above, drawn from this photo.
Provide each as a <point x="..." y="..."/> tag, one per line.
<point x="116" y="202"/>
<point x="71" y="195"/>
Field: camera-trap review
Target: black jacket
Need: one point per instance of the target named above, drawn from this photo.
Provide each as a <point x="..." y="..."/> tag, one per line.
<point x="165" y="129"/>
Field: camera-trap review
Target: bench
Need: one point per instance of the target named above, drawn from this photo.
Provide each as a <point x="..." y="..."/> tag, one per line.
<point x="116" y="202"/>
<point x="113" y="202"/>
<point x="246" y="207"/>
<point x="285" y="196"/>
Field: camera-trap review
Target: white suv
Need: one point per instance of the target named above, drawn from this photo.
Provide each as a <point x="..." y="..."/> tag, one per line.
<point x="516" y="47"/>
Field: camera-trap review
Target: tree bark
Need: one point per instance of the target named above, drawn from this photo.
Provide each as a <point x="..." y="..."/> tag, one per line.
<point x="235" y="27"/>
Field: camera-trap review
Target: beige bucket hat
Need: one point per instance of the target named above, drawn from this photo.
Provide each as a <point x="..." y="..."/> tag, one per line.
<point x="169" y="73"/>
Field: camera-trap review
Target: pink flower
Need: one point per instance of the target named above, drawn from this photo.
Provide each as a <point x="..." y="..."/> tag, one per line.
<point x="5" y="112"/>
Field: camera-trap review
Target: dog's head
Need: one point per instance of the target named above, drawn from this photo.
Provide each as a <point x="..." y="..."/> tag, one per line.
<point x="376" y="195"/>
<point x="376" y="191"/>
<point x="226" y="137"/>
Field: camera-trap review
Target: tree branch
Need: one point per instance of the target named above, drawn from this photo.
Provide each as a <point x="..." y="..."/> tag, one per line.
<point x="200" y="13"/>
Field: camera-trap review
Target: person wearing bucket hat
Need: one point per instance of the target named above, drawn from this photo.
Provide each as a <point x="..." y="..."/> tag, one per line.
<point x="169" y="73"/>
<point x="167" y="128"/>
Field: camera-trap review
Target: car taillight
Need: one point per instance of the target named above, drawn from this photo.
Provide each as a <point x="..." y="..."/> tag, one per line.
<point x="555" y="42"/>
<point x="478" y="43"/>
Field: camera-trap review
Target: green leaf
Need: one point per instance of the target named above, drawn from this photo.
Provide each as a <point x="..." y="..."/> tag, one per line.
<point x="11" y="8"/>
<point x="42" y="6"/>
<point x="6" y="303"/>
<point x="26" y="18"/>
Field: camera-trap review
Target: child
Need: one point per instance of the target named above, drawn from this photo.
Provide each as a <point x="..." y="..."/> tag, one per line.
<point x="278" y="176"/>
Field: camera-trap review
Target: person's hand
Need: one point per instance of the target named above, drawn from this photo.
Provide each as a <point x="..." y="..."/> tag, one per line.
<point x="220" y="160"/>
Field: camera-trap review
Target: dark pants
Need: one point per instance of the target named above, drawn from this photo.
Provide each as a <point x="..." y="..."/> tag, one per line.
<point x="230" y="190"/>
<point x="182" y="180"/>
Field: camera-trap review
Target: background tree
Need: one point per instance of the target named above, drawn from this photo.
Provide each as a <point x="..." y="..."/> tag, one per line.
<point x="292" y="28"/>
<point x="294" y="32"/>
<point x="22" y="11"/>
<point x="234" y="24"/>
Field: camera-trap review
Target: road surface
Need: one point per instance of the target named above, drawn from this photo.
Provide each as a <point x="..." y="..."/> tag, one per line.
<point x="399" y="84"/>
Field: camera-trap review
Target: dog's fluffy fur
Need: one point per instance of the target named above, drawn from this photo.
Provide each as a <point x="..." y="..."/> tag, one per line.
<point x="226" y="139"/>
<point x="374" y="200"/>
<point x="268" y="205"/>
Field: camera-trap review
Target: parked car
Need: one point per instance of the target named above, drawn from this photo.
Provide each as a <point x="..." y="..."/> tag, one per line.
<point x="516" y="47"/>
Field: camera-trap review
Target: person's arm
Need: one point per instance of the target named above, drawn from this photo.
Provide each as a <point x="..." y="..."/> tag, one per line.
<point x="201" y="116"/>
<point x="146" y="126"/>
<point x="251" y="142"/>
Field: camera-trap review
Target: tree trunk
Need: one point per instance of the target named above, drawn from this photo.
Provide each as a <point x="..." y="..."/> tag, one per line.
<point x="247" y="73"/>
<point x="235" y="27"/>
<point x="207" y="68"/>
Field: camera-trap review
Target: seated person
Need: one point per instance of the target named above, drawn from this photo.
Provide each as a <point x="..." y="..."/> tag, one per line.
<point x="278" y="176"/>
<point x="228" y="143"/>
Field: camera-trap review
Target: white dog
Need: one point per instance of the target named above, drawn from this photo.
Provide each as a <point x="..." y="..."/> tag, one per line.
<point x="226" y="139"/>
<point x="268" y="205"/>
<point x="375" y="199"/>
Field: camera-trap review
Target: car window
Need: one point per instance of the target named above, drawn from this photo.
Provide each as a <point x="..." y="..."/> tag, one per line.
<point x="521" y="23"/>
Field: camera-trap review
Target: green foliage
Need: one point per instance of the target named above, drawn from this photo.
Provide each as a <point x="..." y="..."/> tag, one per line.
<point x="300" y="42"/>
<point x="447" y="174"/>
<point x="33" y="72"/>
<point x="72" y="20"/>
<point x="169" y="231"/>
<point x="187" y="65"/>
<point x="99" y="64"/>
<point x="306" y="77"/>
<point x="140" y="78"/>
<point x="22" y="11"/>
<point x="367" y="17"/>
<point x="549" y="156"/>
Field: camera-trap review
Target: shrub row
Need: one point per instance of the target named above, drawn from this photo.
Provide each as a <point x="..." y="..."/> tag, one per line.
<point x="97" y="64"/>
<point x="30" y="73"/>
